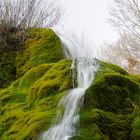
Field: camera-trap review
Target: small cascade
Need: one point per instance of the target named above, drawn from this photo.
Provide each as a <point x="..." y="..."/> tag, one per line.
<point x="64" y="126"/>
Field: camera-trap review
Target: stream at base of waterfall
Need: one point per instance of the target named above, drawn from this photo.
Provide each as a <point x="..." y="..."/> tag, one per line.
<point x="64" y="126"/>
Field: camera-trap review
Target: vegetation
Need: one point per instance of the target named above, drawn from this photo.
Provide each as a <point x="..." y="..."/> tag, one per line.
<point x="28" y="104"/>
<point x="30" y="13"/>
<point x="111" y="106"/>
<point x="40" y="40"/>
<point x="37" y="77"/>
<point x="34" y="75"/>
<point x="17" y="17"/>
<point x="125" y="16"/>
<point x="15" y="64"/>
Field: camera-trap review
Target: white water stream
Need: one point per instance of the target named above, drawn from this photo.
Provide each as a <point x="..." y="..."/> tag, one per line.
<point x="65" y="125"/>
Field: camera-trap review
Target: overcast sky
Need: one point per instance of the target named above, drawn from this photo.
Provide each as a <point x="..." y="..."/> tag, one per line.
<point x="90" y="16"/>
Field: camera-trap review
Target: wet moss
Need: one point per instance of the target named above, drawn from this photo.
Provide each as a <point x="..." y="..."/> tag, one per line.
<point x="106" y="67"/>
<point x="43" y="46"/>
<point x="117" y="89"/>
<point x="56" y="79"/>
<point x="136" y="129"/>
<point x="135" y="78"/>
<point x="102" y="125"/>
<point x="7" y="68"/>
<point x="28" y="105"/>
<point x="31" y="76"/>
<point x="25" y="113"/>
<point x="111" y="105"/>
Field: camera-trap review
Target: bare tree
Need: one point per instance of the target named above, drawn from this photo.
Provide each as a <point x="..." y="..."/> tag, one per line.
<point x="30" y="13"/>
<point x="125" y="16"/>
<point x="18" y="15"/>
<point x="130" y="44"/>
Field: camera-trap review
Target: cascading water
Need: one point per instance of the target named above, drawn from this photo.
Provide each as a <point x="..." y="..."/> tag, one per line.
<point x="65" y="124"/>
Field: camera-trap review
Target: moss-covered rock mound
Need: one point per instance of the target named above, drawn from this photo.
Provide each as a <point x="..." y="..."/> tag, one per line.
<point x="111" y="106"/>
<point x="43" y="77"/>
<point x="41" y="46"/>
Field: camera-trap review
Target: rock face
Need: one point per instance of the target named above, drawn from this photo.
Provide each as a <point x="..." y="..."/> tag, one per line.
<point x="33" y="81"/>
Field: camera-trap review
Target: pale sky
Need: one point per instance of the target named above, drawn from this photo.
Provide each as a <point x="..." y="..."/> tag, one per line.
<point x="90" y="16"/>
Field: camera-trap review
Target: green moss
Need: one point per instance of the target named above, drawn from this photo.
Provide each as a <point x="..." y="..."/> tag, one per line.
<point x="10" y="96"/>
<point x="43" y="77"/>
<point x="19" y="125"/>
<point x="135" y="78"/>
<point x="136" y="129"/>
<point x="31" y="76"/>
<point x="7" y="68"/>
<point x="106" y="67"/>
<point x="88" y="129"/>
<point x="102" y="125"/>
<point x="30" y="125"/>
<point x="91" y="132"/>
<point x="112" y="92"/>
<point x="55" y="80"/>
<point x="28" y="105"/>
<point x="43" y="46"/>
<point x="110" y="105"/>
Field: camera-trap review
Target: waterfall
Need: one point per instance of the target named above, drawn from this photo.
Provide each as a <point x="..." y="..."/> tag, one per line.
<point x="64" y="126"/>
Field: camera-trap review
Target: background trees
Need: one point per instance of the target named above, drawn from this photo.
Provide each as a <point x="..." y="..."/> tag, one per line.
<point x="125" y="16"/>
<point x="30" y="13"/>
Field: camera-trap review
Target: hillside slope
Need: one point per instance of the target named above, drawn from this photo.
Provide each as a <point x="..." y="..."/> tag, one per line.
<point x="43" y="77"/>
<point x="33" y="81"/>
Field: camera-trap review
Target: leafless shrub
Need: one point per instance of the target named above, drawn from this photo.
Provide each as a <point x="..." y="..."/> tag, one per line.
<point x="123" y="53"/>
<point x="30" y="13"/>
<point x="18" y="15"/>
<point x="125" y="16"/>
